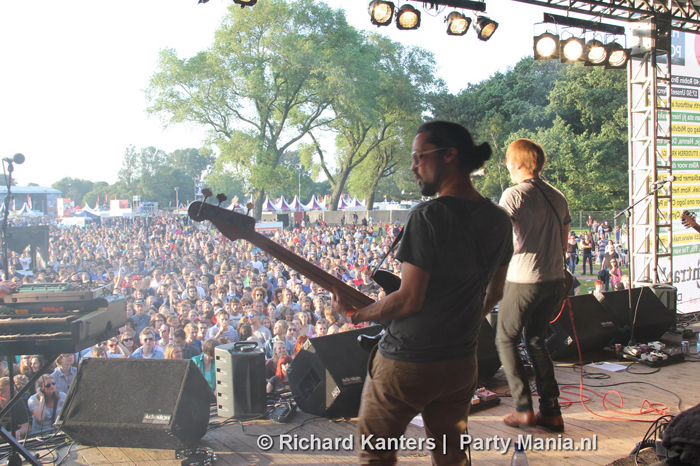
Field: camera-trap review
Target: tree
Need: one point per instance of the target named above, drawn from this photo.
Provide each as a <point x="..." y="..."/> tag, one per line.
<point x="73" y="188"/>
<point x="385" y="93"/>
<point x="192" y="162"/>
<point x="265" y="83"/>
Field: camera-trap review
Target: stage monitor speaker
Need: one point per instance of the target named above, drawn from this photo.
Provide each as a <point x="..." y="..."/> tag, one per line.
<point x="328" y="375"/>
<point x="240" y="380"/>
<point x="653" y="318"/>
<point x="489" y="362"/>
<point x="668" y="295"/>
<point x="139" y="403"/>
<point x="594" y="327"/>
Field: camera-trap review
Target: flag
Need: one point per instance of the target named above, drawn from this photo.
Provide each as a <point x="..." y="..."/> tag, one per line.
<point x="105" y="200"/>
<point x="97" y="201"/>
<point x="29" y="202"/>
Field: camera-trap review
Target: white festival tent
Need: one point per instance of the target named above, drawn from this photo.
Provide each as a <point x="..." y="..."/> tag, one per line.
<point x="314" y="204"/>
<point x="268" y="206"/>
<point x="282" y="205"/>
<point x="296" y="205"/>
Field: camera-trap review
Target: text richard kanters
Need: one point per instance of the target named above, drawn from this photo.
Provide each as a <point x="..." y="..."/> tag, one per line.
<point x="295" y="442"/>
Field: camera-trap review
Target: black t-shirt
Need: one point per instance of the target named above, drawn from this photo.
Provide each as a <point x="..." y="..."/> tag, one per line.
<point x="434" y="240"/>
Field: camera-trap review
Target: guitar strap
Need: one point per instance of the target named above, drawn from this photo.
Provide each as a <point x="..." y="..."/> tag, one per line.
<point x="561" y="225"/>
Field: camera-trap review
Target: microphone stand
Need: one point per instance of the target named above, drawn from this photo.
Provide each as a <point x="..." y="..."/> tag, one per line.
<point x="19" y="449"/>
<point x="632" y="316"/>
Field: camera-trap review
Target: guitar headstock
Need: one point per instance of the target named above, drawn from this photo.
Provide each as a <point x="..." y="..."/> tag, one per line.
<point x="688" y="219"/>
<point x="222" y="218"/>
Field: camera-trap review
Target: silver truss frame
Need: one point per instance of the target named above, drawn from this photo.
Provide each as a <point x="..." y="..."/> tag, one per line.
<point x="650" y="148"/>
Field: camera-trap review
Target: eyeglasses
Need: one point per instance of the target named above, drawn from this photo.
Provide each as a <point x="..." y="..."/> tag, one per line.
<point x="127" y="339"/>
<point x="417" y="156"/>
<point x="49" y="384"/>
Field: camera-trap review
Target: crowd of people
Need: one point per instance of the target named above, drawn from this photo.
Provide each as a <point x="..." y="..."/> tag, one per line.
<point x="603" y="246"/>
<point x="188" y="289"/>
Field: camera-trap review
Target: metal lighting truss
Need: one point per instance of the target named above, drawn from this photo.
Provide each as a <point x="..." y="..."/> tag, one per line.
<point x="650" y="144"/>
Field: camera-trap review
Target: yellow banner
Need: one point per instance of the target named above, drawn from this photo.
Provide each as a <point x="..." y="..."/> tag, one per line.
<point x="682" y="238"/>
<point x="685" y="104"/>
<point x="680" y="203"/>
<point x="685" y="129"/>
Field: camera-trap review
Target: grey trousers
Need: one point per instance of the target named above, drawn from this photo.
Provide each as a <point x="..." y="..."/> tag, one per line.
<point x="529" y="307"/>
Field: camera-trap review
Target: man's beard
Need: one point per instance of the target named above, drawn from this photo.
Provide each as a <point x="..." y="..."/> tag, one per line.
<point x="428" y="188"/>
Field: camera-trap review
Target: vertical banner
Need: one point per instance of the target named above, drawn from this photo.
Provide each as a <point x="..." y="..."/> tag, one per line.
<point x="685" y="160"/>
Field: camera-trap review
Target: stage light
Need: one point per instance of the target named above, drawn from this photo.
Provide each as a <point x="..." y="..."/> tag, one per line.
<point x="595" y="53"/>
<point x="457" y="24"/>
<point x="381" y="12"/>
<point x="484" y="27"/>
<point x="245" y="3"/>
<point x="546" y="46"/>
<point x="572" y="50"/>
<point x="618" y="56"/>
<point x="407" y="18"/>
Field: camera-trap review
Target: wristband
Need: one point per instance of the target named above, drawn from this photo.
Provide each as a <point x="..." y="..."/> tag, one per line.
<point x="349" y="315"/>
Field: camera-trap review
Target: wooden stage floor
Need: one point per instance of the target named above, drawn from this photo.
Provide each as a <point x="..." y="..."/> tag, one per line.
<point x="236" y="444"/>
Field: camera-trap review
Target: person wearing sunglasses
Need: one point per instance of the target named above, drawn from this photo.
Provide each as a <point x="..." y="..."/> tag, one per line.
<point x="45" y="405"/>
<point x="454" y="255"/>
<point x="148" y="349"/>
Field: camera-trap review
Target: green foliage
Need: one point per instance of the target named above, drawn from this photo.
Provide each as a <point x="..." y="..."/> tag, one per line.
<point x="267" y="80"/>
<point x="74" y="188"/>
<point x="577" y="113"/>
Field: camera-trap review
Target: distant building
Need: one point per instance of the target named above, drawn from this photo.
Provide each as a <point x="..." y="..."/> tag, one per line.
<point x="38" y="197"/>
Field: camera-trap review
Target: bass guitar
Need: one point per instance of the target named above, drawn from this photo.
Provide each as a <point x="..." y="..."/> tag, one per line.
<point x="234" y="226"/>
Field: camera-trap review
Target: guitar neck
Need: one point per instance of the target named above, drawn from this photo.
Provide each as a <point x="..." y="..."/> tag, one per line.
<point x="352" y="296"/>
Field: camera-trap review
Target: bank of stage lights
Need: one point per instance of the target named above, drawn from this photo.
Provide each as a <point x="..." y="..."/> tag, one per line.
<point x="576" y="40"/>
<point x="407" y="17"/>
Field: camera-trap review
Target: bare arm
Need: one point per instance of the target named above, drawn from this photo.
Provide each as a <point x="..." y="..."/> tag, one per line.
<point x="494" y="291"/>
<point x="407" y="300"/>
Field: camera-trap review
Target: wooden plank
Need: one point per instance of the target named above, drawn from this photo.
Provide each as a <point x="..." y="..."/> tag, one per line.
<point x="236" y="444"/>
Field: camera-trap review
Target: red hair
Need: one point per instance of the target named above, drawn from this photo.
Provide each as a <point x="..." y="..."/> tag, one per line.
<point x="281" y="376"/>
<point x="301" y="339"/>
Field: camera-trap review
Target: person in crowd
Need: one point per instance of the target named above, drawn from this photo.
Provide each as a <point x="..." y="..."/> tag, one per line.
<point x="222" y="329"/>
<point x="279" y="349"/>
<point x="261" y="334"/>
<point x="572" y="252"/>
<point x="279" y="335"/>
<point x="128" y="340"/>
<point x="534" y="288"/>
<point x="279" y="383"/>
<point x="115" y="349"/>
<point x="172" y="351"/>
<point x="140" y="318"/>
<point x="45" y="405"/>
<point x="206" y="362"/>
<point x="19" y="411"/>
<point x="615" y="274"/>
<point x="148" y="349"/>
<point x="65" y="372"/>
<point x="180" y="339"/>
<point x="587" y="248"/>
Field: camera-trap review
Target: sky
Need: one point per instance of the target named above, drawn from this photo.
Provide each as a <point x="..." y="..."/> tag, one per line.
<point x="73" y="73"/>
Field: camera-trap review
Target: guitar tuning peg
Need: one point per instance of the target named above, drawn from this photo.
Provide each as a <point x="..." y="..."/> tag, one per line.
<point x="206" y="192"/>
<point x="221" y="197"/>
